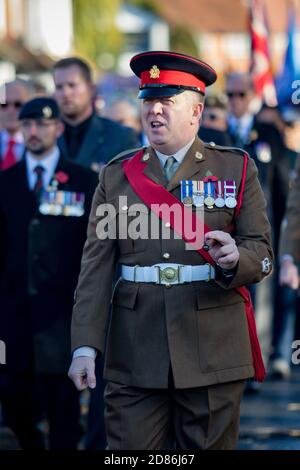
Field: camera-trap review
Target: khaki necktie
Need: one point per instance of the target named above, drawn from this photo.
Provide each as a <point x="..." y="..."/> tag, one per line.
<point x="170" y="167"/>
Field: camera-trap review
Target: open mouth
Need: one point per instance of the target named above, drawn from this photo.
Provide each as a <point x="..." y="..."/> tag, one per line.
<point x="156" y="124"/>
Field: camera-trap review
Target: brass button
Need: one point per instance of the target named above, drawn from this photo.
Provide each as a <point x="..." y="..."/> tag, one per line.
<point x="198" y="155"/>
<point x="212" y="144"/>
<point x="168" y="285"/>
<point x="166" y="255"/>
<point x="146" y="157"/>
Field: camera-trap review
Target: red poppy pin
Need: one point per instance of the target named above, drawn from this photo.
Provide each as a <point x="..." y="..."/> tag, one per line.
<point x="61" y="177"/>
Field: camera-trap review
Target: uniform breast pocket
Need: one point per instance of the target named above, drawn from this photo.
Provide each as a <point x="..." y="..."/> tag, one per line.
<point x="133" y="228"/>
<point x="222" y="329"/>
<point x="218" y="218"/>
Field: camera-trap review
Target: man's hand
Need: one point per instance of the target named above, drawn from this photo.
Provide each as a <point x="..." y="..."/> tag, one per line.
<point x="288" y="274"/>
<point x="222" y="249"/>
<point x="82" y="372"/>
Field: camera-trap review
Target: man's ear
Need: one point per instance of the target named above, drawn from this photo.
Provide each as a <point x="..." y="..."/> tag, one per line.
<point x="197" y="113"/>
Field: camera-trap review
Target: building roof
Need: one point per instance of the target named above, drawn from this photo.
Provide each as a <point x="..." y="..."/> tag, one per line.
<point x="219" y="16"/>
<point x="13" y="50"/>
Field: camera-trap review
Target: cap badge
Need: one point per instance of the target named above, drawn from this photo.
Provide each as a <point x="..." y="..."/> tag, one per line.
<point x="47" y="112"/>
<point x="154" y="72"/>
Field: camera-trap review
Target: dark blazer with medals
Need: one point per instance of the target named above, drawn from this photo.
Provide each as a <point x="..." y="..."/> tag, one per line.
<point x="103" y="140"/>
<point x="197" y="329"/>
<point x="39" y="265"/>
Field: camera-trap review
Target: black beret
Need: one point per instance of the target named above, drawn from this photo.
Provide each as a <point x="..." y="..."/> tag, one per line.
<point x="40" y="108"/>
<point x="165" y="73"/>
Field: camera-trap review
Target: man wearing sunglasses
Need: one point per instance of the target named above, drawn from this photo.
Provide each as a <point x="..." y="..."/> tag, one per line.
<point x="16" y="94"/>
<point x="214" y="121"/>
<point x="262" y="140"/>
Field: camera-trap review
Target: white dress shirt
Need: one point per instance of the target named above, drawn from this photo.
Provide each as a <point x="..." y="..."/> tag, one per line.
<point x="241" y="126"/>
<point x="88" y="351"/>
<point x="49" y="163"/>
<point x="179" y="155"/>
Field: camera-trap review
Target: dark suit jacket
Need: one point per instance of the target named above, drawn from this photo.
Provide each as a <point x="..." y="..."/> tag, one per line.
<point x="103" y="140"/>
<point x="290" y="234"/>
<point x="39" y="265"/>
<point x="274" y="174"/>
<point x="199" y="329"/>
<point x="213" y="135"/>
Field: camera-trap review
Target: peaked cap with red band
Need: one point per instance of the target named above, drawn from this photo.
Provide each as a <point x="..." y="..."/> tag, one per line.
<point x="169" y="73"/>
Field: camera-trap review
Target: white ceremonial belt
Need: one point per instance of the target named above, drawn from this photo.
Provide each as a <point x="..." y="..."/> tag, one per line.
<point x="168" y="273"/>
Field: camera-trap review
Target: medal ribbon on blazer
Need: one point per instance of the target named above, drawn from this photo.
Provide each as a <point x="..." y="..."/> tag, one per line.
<point x="153" y="194"/>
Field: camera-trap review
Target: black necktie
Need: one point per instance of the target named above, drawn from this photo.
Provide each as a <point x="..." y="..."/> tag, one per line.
<point x="38" y="187"/>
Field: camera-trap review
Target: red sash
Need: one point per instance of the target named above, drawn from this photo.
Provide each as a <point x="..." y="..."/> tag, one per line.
<point x="153" y="194"/>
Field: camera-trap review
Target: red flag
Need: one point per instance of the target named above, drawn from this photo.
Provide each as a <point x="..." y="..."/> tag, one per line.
<point x="261" y="69"/>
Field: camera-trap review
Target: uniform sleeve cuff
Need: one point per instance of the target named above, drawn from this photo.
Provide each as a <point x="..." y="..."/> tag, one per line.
<point x="85" y="351"/>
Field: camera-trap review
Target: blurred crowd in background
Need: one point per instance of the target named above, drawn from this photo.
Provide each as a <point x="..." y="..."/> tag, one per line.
<point x="99" y="121"/>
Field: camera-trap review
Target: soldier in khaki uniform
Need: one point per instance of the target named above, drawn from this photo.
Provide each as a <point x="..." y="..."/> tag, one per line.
<point x="178" y="346"/>
<point x="289" y="248"/>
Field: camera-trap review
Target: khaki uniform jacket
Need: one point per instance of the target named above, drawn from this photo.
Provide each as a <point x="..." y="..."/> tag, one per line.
<point x="198" y="329"/>
<point x="290" y="227"/>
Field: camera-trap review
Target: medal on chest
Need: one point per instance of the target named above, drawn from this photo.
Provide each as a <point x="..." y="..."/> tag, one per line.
<point x="187" y="192"/>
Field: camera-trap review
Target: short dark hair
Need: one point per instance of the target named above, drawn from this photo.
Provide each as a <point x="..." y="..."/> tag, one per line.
<point x="216" y="101"/>
<point x="83" y="66"/>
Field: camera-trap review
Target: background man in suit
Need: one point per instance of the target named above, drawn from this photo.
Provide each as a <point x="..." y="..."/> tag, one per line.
<point x="92" y="141"/>
<point x="262" y="141"/>
<point x="178" y="353"/>
<point x="11" y="139"/>
<point x="127" y="113"/>
<point x="290" y="236"/>
<point x="286" y="325"/>
<point x="214" y="121"/>
<point x="44" y="206"/>
<point x="88" y="138"/>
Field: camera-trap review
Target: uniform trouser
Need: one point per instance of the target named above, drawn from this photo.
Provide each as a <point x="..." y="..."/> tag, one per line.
<point x="157" y="419"/>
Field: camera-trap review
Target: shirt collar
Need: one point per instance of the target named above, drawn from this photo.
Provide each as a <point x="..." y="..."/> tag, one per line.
<point x="244" y="122"/>
<point x="18" y="137"/>
<point x="49" y="163"/>
<point x="179" y="155"/>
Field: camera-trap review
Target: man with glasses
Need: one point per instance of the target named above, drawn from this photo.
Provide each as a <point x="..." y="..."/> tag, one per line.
<point x="44" y="205"/>
<point x="264" y="143"/>
<point x="16" y="94"/>
<point x="214" y="121"/>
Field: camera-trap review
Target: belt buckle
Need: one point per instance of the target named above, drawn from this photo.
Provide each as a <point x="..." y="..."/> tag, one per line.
<point x="168" y="275"/>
